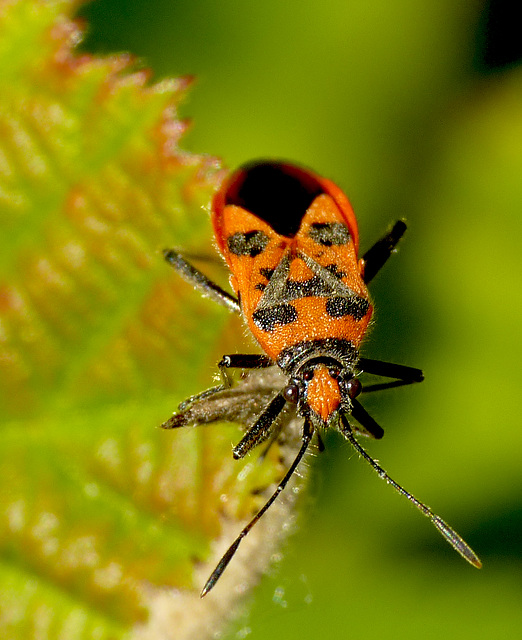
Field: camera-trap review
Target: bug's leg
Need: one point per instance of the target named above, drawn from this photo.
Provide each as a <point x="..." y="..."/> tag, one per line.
<point x="376" y="256"/>
<point x="366" y="421"/>
<point x="449" y="534"/>
<point x="381" y="386"/>
<point x="245" y="361"/>
<point x="403" y="375"/>
<point x="391" y="370"/>
<point x="234" y="361"/>
<point x="223" y="563"/>
<point x="200" y="281"/>
<point x="273" y="436"/>
<point x="262" y="427"/>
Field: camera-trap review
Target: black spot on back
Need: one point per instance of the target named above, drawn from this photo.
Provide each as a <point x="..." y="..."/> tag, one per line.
<point x="266" y="273"/>
<point x="279" y="314"/>
<point x="335" y="271"/>
<point x="340" y="306"/>
<point x="248" y="244"/>
<point x="329" y="233"/>
<point x="312" y="287"/>
<point x="295" y="289"/>
<point x="277" y="193"/>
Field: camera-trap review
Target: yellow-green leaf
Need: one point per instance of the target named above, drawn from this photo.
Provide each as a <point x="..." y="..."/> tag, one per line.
<point x="104" y="518"/>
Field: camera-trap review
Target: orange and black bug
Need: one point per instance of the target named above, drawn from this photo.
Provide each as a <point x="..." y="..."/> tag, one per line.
<point x="290" y="240"/>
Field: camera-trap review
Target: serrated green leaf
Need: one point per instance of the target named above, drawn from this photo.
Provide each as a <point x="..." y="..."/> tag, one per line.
<point x="99" y="340"/>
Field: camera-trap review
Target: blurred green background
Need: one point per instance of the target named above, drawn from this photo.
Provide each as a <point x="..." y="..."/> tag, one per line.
<point x="415" y="109"/>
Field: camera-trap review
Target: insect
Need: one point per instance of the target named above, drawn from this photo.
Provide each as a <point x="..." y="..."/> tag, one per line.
<point x="290" y="240"/>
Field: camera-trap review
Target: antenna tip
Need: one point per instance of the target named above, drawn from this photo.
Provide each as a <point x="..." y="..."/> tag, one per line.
<point x="460" y="545"/>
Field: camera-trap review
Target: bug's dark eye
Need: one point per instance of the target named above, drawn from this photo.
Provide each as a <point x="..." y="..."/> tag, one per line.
<point x="291" y="393"/>
<point x="354" y="388"/>
<point x="334" y="373"/>
<point x="308" y="375"/>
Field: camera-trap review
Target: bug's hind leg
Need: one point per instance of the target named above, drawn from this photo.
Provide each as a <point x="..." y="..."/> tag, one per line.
<point x="376" y="256"/>
<point x="200" y="281"/>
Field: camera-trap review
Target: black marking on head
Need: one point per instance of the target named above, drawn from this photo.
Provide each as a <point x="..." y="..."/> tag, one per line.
<point x="339" y="307"/>
<point x="329" y="233"/>
<point x="277" y="193"/>
<point x="268" y="318"/>
<point x="248" y="244"/>
<point x="341" y="350"/>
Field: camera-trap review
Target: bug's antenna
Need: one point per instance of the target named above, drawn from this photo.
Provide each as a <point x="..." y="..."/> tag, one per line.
<point x="227" y="557"/>
<point x="447" y="532"/>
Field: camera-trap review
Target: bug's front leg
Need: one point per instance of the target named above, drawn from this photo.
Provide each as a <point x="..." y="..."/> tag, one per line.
<point x="402" y="374"/>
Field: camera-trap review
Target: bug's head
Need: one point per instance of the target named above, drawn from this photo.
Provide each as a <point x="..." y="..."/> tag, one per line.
<point x="322" y="388"/>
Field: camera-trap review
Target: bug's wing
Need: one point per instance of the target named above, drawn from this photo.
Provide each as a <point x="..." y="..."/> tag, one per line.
<point x="326" y="237"/>
<point x="252" y="250"/>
